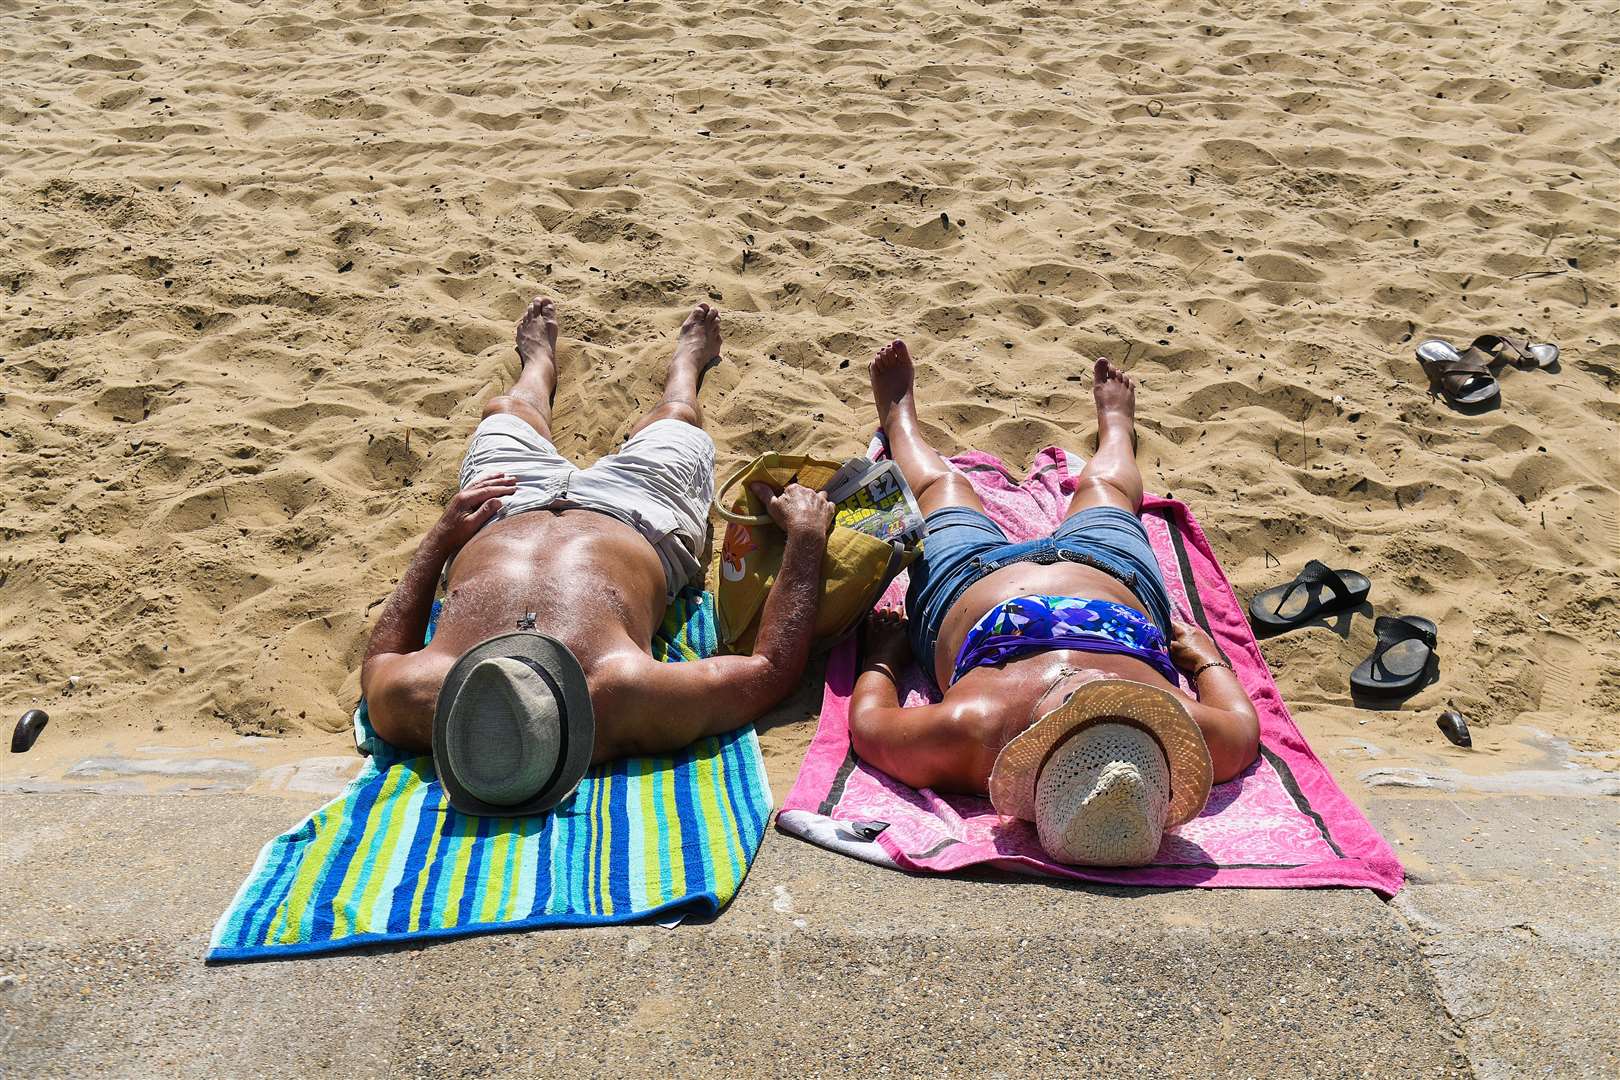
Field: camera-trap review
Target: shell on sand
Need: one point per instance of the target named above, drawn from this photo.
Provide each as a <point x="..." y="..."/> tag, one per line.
<point x="260" y="267"/>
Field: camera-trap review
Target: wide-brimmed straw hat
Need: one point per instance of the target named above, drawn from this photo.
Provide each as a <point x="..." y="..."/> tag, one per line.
<point x="514" y="730"/>
<point x="1106" y="790"/>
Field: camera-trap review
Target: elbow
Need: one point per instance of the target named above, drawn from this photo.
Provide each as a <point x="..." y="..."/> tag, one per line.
<point x="778" y="675"/>
<point x="409" y="737"/>
<point x="1232" y="756"/>
<point x="861" y="728"/>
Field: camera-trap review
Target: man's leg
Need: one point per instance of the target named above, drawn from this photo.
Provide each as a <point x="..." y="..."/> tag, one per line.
<point x="932" y="481"/>
<point x="530" y="397"/>
<point x="1111" y="477"/>
<point x="695" y="349"/>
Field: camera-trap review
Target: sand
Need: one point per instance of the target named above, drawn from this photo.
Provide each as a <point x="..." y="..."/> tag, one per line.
<point x="260" y="266"/>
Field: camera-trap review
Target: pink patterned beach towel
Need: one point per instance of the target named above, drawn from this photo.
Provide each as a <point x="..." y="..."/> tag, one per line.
<point x="1282" y="824"/>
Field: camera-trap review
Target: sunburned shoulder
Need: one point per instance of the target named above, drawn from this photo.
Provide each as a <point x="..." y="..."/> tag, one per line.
<point x="978" y="717"/>
<point x="402" y="694"/>
<point x="617" y="676"/>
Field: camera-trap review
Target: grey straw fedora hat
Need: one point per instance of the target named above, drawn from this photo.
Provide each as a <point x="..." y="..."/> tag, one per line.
<point x="514" y="731"/>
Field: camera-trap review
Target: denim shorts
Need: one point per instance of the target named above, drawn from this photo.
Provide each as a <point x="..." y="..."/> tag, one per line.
<point x="964" y="545"/>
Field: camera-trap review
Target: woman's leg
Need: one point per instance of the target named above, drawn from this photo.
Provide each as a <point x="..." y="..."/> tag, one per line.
<point x="932" y="481"/>
<point x="1111" y="477"/>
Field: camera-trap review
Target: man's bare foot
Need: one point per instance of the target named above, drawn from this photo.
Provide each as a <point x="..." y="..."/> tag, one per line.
<point x="698" y="345"/>
<point x="1115" y="392"/>
<point x="892" y="377"/>
<point x="537" y="332"/>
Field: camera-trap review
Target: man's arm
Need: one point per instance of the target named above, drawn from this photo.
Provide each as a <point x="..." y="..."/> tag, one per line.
<point x="399" y="689"/>
<point x="1222" y="710"/>
<point x="651" y="707"/>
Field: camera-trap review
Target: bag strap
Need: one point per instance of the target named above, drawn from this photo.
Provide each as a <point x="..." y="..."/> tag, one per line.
<point x="720" y="499"/>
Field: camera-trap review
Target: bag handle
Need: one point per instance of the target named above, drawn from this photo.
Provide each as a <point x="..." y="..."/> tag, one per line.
<point x="720" y="499"/>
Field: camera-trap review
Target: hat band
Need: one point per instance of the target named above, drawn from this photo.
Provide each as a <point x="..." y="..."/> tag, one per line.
<point x="562" y="726"/>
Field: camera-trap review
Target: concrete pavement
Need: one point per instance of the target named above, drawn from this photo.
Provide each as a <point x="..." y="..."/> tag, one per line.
<point x="1494" y="962"/>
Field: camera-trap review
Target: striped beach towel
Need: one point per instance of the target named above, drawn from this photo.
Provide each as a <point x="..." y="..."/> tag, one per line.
<point x="389" y="860"/>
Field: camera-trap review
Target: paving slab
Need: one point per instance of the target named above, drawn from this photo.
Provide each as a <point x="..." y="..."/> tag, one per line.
<point x="824" y="966"/>
<point x="1514" y="902"/>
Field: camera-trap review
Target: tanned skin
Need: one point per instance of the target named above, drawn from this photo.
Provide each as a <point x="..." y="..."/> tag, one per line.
<point x="951" y="745"/>
<point x="594" y="583"/>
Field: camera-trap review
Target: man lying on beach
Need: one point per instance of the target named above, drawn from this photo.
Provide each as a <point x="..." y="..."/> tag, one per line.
<point x="1058" y="657"/>
<point x="540" y="663"/>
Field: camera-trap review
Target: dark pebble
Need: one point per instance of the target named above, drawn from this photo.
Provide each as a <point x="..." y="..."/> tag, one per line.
<point x="28" y="728"/>
<point x="1455" y="728"/>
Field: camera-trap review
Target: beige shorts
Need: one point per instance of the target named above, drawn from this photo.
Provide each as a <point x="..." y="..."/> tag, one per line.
<point x="660" y="483"/>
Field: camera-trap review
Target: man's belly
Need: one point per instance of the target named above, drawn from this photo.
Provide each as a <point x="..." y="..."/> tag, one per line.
<point x="589" y="579"/>
<point x="1027" y="579"/>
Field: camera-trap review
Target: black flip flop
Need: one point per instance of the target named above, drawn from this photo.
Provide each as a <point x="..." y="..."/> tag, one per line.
<point x="1318" y="590"/>
<point x="1398" y="666"/>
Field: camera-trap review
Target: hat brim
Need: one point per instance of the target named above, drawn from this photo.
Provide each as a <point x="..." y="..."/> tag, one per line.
<point x="1159" y="712"/>
<point x="578" y="721"/>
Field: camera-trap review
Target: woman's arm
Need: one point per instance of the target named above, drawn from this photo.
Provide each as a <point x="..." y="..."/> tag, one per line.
<point x="927" y="746"/>
<point x="1222" y="710"/>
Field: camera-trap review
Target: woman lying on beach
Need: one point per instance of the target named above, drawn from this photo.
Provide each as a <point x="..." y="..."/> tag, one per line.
<point x="1057" y="657"/>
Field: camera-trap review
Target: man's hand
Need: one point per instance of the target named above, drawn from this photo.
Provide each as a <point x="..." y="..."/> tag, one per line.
<point x="1190" y="647"/>
<point x="798" y="511"/>
<point x="471" y="509"/>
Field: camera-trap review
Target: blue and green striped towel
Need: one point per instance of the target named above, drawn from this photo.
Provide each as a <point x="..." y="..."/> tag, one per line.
<point x="389" y="860"/>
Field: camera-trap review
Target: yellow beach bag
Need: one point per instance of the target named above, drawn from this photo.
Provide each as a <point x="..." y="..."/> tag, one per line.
<point x="855" y="570"/>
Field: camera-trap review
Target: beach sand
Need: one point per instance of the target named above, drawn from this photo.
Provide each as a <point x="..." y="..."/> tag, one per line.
<point x="260" y="266"/>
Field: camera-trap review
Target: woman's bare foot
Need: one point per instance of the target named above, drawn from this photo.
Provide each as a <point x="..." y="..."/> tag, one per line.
<point x="892" y="375"/>
<point x="1115" y="392"/>
<point x="537" y="332"/>
<point x="698" y="345"/>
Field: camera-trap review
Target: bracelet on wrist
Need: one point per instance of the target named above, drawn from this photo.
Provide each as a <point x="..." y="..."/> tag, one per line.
<point x="884" y="668"/>
<point x="1201" y="668"/>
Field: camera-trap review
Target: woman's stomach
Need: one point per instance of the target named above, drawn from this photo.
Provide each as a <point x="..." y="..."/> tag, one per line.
<point x="1030" y="579"/>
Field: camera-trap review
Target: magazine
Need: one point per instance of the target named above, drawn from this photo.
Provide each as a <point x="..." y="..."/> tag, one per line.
<point x="873" y="497"/>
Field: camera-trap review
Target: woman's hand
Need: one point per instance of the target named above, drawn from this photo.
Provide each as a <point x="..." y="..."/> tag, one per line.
<point x="471" y="509"/>
<point x="884" y="642"/>
<point x="1191" y="648"/>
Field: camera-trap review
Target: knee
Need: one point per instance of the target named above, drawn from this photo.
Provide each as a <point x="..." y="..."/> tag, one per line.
<point x="676" y="410"/>
<point x="949" y="488"/>
<point x="504" y="403"/>
<point x="515" y="406"/>
<point x="1109" y="490"/>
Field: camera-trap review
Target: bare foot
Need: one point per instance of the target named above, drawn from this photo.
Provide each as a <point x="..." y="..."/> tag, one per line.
<point x="699" y="343"/>
<point x="892" y="377"/>
<point x="1115" y="392"/>
<point x="537" y="332"/>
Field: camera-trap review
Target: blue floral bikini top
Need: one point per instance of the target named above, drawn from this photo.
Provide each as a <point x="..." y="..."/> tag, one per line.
<point x="1027" y="624"/>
